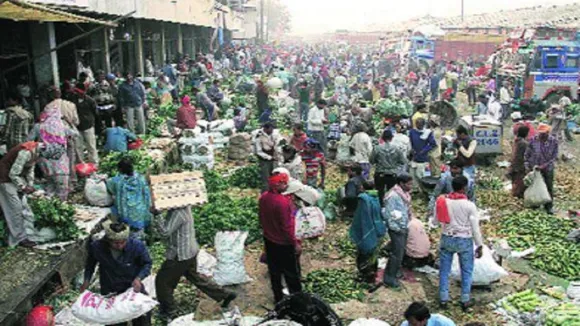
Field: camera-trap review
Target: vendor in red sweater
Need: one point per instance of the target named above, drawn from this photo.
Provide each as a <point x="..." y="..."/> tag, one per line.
<point x="282" y="248"/>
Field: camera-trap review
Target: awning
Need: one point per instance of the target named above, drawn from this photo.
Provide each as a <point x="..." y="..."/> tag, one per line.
<point x="19" y="10"/>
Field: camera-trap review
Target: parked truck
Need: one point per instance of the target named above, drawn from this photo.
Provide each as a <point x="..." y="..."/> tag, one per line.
<point x="453" y="47"/>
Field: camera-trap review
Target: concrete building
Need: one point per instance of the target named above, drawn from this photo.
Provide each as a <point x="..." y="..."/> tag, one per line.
<point x="112" y="35"/>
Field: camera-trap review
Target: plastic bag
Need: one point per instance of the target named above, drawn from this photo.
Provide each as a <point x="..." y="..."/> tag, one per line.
<point x="310" y="222"/>
<point x="135" y="145"/>
<point x="485" y="269"/>
<point x="94" y="308"/>
<point x="96" y="193"/>
<point x="206" y="263"/>
<point x="40" y="316"/>
<point x="537" y="194"/>
<point x="368" y="322"/>
<point x="230" y="268"/>
<point x="85" y="169"/>
<point x="573" y="290"/>
<point x="149" y="284"/>
<point x="65" y="317"/>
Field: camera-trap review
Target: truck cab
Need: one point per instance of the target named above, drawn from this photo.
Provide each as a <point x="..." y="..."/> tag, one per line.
<point x="422" y="50"/>
<point x="554" y="67"/>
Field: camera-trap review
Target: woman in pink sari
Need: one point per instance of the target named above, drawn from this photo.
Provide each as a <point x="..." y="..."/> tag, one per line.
<point x="54" y="161"/>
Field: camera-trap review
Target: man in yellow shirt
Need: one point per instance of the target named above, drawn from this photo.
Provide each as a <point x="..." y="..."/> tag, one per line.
<point x="421" y="113"/>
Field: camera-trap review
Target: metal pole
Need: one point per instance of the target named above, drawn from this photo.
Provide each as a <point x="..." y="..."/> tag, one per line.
<point x="262" y="21"/>
<point x="53" y="54"/>
<point x="139" y="45"/>
<point x="179" y="39"/>
<point x="106" y="50"/>
<point x="163" y="49"/>
<point x="462" y="10"/>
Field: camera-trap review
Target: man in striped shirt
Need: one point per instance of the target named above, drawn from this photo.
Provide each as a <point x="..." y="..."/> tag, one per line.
<point x="314" y="159"/>
<point x="181" y="260"/>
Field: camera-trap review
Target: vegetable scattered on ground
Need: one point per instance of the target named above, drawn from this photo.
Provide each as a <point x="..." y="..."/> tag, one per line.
<point x="554" y="254"/>
<point x="564" y="314"/>
<point x="334" y="285"/>
<point x="526" y="301"/>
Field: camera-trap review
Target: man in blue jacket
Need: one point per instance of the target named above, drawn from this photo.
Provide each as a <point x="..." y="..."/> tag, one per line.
<point x="132" y="99"/>
<point x="123" y="263"/>
<point x="422" y="142"/>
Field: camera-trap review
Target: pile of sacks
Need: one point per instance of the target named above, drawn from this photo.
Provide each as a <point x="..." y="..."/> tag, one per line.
<point x="220" y="131"/>
<point x="195" y="148"/>
<point x="240" y="147"/>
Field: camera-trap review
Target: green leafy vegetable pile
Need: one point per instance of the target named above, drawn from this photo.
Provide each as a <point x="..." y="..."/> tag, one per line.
<point x="562" y="315"/>
<point x="246" y="177"/>
<point x="223" y="213"/>
<point x="390" y="108"/>
<point x="55" y="214"/>
<point x="554" y="254"/>
<point x="214" y="182"/>
<point x="334" y="285"/>
<point x="141" y="162"/>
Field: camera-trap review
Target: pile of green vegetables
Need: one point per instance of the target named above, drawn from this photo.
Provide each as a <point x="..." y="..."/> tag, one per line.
<point x="214" y="182"/>
<point x="567" y="314"/>
<point x="554" y="254"/>
<point x="159" y="117"/>
<point x="394" y="107"/>
<point x="57" y="215"/>
<point x="223" y="213"/>
<point x="491" y="182"/>
<point x="141" y="162"/>
<point x="247" y="177"/>
<point x="334" y="285"/>
<point x="526" y="301"/>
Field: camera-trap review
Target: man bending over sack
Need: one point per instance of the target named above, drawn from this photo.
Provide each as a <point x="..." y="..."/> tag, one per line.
<point x="123" y="263"/>
<point x="181" y="260"/>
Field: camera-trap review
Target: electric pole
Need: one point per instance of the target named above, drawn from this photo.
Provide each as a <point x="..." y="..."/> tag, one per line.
<point x="462" y="11"/>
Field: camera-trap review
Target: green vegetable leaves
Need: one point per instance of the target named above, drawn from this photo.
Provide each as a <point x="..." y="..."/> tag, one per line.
<point x="55" y="214"/>
<point x="334" y="285"/>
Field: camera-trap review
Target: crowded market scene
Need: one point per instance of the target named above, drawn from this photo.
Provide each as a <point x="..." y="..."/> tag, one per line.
<point x="267" y="162"/>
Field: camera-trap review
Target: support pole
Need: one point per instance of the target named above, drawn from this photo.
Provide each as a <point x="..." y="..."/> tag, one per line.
<point x="139" y="45"/>
<point x="179" y="39"/>
<point x="53" y="54"/>
<point x="106" y="50"/>
<point x="262" y="21"/>
<point x="163" y="50"/>
<point x="462" y="10"/>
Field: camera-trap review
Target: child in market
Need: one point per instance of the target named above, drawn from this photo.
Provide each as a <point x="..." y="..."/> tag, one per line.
<point x="315" y="162"/>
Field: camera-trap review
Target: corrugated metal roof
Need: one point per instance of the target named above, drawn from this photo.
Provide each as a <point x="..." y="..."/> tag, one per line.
<point x="24" y="11"/>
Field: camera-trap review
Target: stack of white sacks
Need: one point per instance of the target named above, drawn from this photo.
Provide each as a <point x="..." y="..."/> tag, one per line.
<point x="197" y="145"/>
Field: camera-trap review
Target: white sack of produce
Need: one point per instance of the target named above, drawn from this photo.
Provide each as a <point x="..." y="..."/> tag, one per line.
<point x="310" y="222"/>
<point x="368" y="322"/>
<point x="230" y="268"/>
<point x="96" y="192"/>
<point x="275" y="83"/>
<point x="94" y="308"/>
<point x="537" y="194"/>
<point x="149" y="284"/>
<point x="206" y="263"/>
<point x="65" y="317"/>
<point x="485" y="269"/>
<point x="573" y="290"/>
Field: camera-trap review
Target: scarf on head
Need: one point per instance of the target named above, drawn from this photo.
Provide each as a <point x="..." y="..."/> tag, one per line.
<point x="52" y="128"/>
<point x="441" y="206"/>
<point x="276" y="180"/>
<point x="403" y="194"/>
<point x="115" y="236"/>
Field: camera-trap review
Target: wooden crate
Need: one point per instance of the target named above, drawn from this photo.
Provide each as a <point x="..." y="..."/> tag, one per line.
<point x="177" y="190"/>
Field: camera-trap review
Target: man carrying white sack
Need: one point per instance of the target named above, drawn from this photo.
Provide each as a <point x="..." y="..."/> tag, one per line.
<point x="123" y="263"/>
<point x="181" y="260"/>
